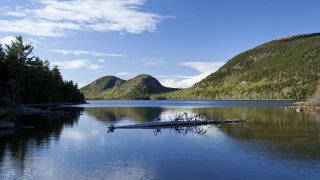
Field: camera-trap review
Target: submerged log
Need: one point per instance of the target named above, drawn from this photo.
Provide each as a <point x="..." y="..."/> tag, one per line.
<point x="180" y="121"/>
<point x="170" y="124"/>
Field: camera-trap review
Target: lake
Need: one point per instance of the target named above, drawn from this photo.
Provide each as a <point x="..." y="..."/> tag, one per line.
<point x="272" y="143"/>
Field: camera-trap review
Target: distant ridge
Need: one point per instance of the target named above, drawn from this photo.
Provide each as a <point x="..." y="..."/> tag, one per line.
<point x="110" y="87"/>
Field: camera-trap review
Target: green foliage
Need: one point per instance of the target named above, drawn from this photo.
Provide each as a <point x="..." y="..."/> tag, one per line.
<point x="110" y="87"/>
<point x="94" y="89"/>
<point x="287" y="68"/>
<point x="316" y="97"/>
<point x="28" y="79"/>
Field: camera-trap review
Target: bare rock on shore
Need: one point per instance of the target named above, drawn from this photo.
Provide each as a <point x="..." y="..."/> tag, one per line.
<point x="3" y="111"/>
<point x="25" y="110"/>
<point x="299" y="109"/>
<point x="303" y="106"/>
<point x="29" y="110"/>
<point x="6" y="124"/>
<point x="7" y="132"/>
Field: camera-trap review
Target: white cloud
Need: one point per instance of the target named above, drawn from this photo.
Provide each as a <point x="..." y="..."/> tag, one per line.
<point x="82" y="52"/>
<point x="102" y="60"/>
<point x="33" y="41"/>
<point x="173" y="76"/>
<point x="37" y="27"/>
<point x="145" y="61"/>
<point x="81" y="85"/>
<point x="204" y="67"/>
<point x="122" y="74"/>
<point x="7" y="40"/>
<point x="178" y="81"/>
<point x="76" y="64"/>
<point x="58" y="18"/>
<point x="151" y="61"/>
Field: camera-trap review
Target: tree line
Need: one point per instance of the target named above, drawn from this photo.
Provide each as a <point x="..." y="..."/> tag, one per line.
<point x="26" y="79"/>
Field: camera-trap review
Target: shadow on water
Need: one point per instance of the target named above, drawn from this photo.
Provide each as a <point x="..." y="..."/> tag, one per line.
<point x="276" y="131"/>
<point x="283" y="133"/>
<point x="279" y="132"/>
<point x="273" y="132"/>
<point x="32" y="132"/>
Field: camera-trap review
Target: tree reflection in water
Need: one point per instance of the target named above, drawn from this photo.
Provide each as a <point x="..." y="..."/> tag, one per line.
<point x="19" y="145"/>
<point x="283" y="130"/>
<point x="273" y="132"/>
<point x="184" y="130"/>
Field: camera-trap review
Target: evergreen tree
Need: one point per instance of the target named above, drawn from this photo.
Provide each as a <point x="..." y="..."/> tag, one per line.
<point x="25" y="78"/>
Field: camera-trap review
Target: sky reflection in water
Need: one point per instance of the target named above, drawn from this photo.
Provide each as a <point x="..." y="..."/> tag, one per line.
<point x="274" y="143"/>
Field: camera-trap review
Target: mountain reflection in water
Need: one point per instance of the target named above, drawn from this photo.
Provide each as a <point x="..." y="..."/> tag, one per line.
<point x="281" y="130"/>
<point x="273" y="133"/>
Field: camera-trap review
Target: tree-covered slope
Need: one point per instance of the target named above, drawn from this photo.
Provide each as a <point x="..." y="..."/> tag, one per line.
<point x="287" y="68"/>
<point x="140" y="87"/>
<point x="94" y="89"/>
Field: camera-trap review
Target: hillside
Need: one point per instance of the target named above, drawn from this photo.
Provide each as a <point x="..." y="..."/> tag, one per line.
<point x="94" y="89"/>
<point x="287" y="68"/>
<point x="140" y="87"/>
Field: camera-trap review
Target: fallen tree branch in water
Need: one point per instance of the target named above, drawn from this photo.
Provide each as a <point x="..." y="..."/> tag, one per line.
<point x="178" y="122"/>
<point x="185" y="117"/>
<point x="172" y="124"/>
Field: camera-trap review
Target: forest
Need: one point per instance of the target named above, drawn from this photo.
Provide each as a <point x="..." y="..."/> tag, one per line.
<point x="286" y="68"/>
<point x="27" y="79"/>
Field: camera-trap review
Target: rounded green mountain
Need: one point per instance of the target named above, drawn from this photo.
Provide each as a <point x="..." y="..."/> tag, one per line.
<point x="286" y="68"/>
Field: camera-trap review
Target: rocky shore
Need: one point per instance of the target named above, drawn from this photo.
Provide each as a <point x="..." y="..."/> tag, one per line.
<point x="7" y="115"/>
<point x="26" y="110"/>
<point x="42" y="109"/>
<point x="303" y="106"/>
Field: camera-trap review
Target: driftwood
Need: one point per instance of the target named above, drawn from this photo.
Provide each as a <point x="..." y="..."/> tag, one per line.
<point x="172" y="124"/>
<point x="164" y="124"/>
<point x="180" y="121"/>
<point x="185" y="117"/>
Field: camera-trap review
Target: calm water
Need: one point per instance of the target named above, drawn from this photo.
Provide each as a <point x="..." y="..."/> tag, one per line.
<point x="273" y="144"/>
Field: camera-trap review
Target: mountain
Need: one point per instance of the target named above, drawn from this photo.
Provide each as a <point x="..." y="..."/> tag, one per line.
<point x="94" y="89"/>
<point x="140" y="87"/>
<point x="287" y="68"/>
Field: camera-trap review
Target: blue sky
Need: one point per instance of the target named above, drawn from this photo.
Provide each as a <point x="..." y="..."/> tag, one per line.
<point x="177" y="41"/>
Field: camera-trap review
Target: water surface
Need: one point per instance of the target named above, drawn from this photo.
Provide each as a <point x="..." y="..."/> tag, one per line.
<point x="274" y="143"/>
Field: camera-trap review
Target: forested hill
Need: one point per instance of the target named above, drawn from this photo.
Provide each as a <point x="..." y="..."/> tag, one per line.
<point x="140" y="87"/>
<point x="94" y="89"/>
<point x="26" y="79"/>
<point x="287" y="68"/>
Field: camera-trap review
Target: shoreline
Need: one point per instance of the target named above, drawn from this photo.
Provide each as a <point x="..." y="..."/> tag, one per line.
<point x="194" y="100"/>
<point x="303" y="106"/>
<point x="45" y="109"/>
<point x="34" y="109"/>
